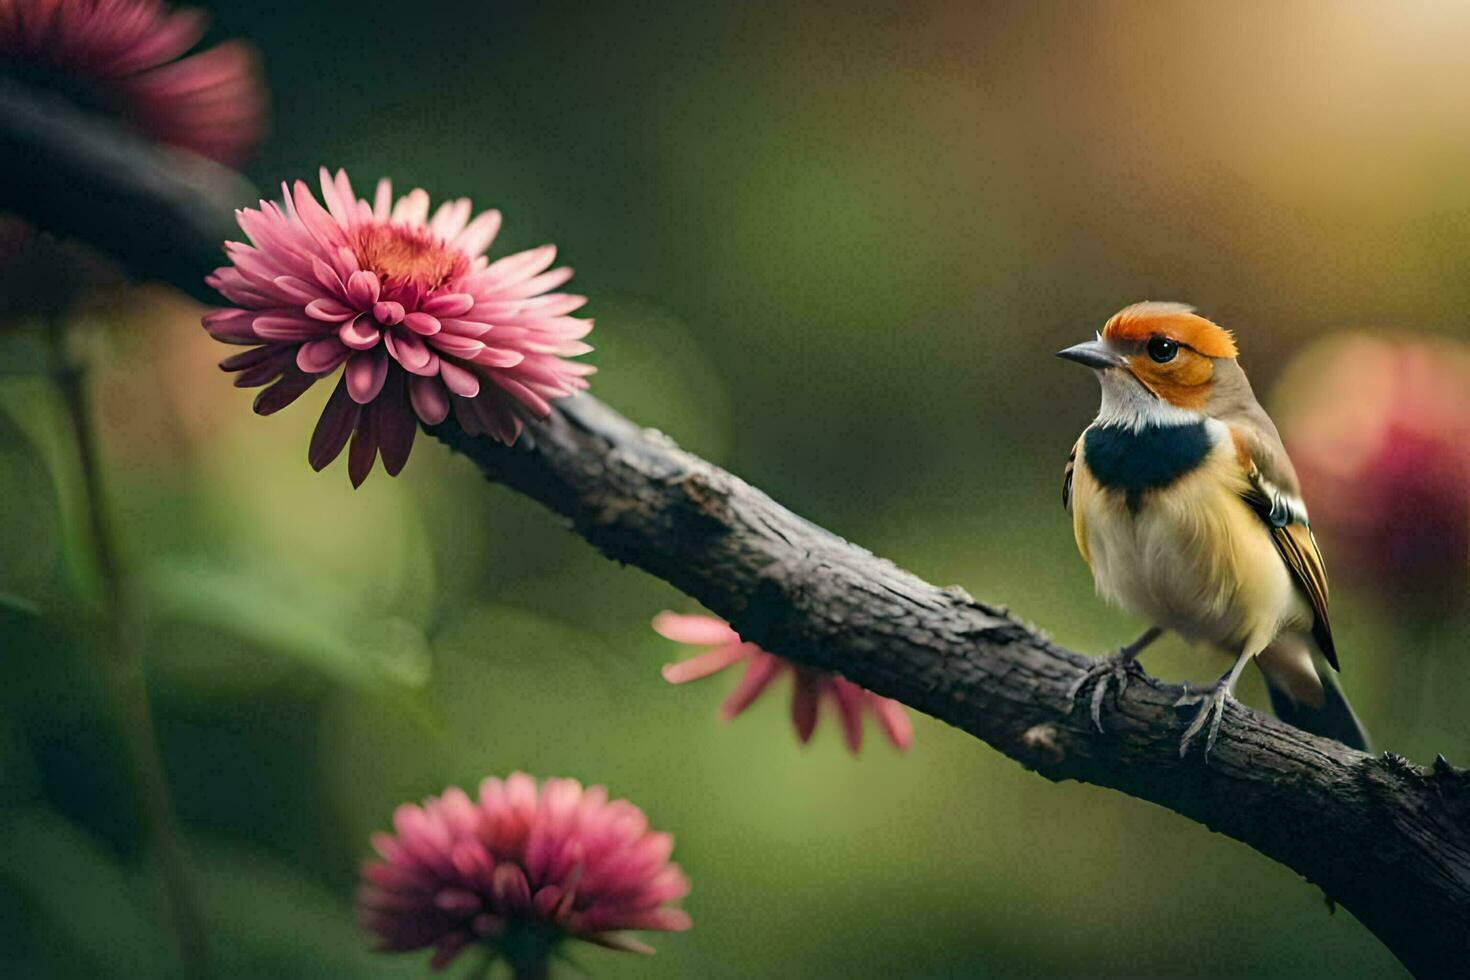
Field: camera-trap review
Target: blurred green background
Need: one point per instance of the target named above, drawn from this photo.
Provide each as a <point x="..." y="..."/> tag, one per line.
<point x="831" y="247"/>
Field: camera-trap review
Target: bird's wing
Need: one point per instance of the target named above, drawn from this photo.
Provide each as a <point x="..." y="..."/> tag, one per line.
<point x="1076" y="486"/>
<point x="1286" y="516"/>
<point x="1067" y="476"/>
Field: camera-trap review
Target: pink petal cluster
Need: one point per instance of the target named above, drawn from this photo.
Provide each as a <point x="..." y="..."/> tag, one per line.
<point x="1379" y="429"/>
<point x="520" y="868"/>
<point x="810" y="687"/>
<point x="411" y="310"/>
<point x="126" y="56"/>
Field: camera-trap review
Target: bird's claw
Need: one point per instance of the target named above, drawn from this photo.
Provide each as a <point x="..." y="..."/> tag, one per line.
<point x="1211" y="712"/>
<point x="1118" y="669"/>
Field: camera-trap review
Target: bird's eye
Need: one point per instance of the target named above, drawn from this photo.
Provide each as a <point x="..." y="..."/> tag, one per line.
<point x="1162" y="349"/>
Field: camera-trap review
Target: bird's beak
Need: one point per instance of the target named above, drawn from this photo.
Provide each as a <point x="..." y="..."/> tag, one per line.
<point x="1093" y="354"/>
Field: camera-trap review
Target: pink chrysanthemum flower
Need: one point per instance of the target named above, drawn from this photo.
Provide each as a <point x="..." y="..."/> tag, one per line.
<point x="519" y="870"/>
<point x="409" y="306"/>
<point x="125" y="56"/>
<point x="810" y="687"/>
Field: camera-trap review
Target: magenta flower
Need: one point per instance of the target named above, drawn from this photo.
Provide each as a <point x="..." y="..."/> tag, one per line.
<point x="420" y="321"/>
<point x="809" y="687"/>
<point x="518" y="871"/>
<point x="124" y="56"/>
<point x="1380" y="431"/>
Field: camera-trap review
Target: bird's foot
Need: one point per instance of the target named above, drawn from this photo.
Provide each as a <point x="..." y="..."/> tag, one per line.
<point x="1117" y="669"/>
<point x="1211" y="712"/>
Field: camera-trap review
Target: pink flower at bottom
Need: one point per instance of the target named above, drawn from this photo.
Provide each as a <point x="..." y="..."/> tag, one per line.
<point x="809" y="687"/>
<point x="407" y="306"/>
<point x="519" y="870"/>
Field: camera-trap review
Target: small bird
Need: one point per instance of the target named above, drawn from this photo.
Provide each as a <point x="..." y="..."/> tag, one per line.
<point x="1187" y="509"/>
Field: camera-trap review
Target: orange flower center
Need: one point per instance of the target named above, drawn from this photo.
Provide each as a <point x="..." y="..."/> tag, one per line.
<point x="403" y="255"/>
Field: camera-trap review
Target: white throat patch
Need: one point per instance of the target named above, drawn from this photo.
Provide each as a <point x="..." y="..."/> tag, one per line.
<point x="1128" y="404"/>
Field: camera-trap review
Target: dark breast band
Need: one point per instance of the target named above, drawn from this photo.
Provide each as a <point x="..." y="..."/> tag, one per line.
<point x="1135" y="461"/>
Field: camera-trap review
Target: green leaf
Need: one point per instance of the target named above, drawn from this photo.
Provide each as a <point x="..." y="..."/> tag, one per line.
<point x="30" y="520"/>
<point x="269" y="920"/>
<point x="313" y="627"/>
<point x="42" y="488"/>
<point x="24" y="349"/>
<point x="14" y="605"/>
<point x="72" y="883"/>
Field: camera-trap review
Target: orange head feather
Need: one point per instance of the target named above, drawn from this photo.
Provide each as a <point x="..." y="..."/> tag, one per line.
<point x="1175" y="321"/>
<point x="1170" y="349"/>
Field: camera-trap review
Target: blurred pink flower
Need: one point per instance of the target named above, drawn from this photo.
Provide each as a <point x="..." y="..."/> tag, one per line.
<point x="419" y="319"/>
<point x="124" y="56"/>
<point x="519" y="870"/>
<point x="1379" y="429"/>
<point x="809" y="686"/>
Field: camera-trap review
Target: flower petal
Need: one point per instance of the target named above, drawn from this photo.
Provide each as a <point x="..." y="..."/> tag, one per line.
<point x="463" y="383"/>
<point x="894" y="719"/>
<point x="297" y="289"/>
<point x="412" y="208"/>
<point x="338" y="419"/>
<point x="850" y="701"/>
<point x="409" y="350"/>
<point x="287" y="328"/>
<point x="249" y="358"/>
<point x="231" y="326"/>
<point x="511" y="890"/>
<point x="805" y="699"/>
<point x="702" y="630"/>
<point x="383" y="199"/>
<point x="337" y="206"/>
<point x="365" y="374"/>
<point x="448" y="304"/>
<point x="328" y="277"/>
<point x="362" y="289"/>
<point x="466" y="328"/>
<point x="315" y="218"/>
<point x="759" y="672"/>
<point x="360" y="334"/>
<point x="388" y="313"/>
<point x="364" y="450"/>
<point x="397" y="425"/>
<point x="520" y="266"/>
<point x="329" y="311"/>
<point x="266" y="369"/>
<point x="321" y="356"/>
<point x="704" y="664"/>
<point x="430" y="400"/>
<point x="461" y="347"/>
<point x="291" y="386"/>
<point x="422" y="323"/>
<point x="496" y="357"/>
<point x="522" y="394"/>
<point x="478" y="234"/>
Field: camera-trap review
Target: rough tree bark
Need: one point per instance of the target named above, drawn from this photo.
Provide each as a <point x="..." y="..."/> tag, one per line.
<point x="1386" y="839"/>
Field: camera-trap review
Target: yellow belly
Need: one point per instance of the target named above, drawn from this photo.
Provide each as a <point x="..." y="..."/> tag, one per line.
<point x="1193" y="558"/>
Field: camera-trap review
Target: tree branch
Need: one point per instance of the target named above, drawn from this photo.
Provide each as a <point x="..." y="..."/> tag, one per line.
<point x="162" y="214"/>
<point x="1388" y="840"/>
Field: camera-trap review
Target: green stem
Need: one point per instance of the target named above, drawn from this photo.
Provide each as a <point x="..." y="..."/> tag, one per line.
<point x="527" y="947"/>
<point x="121" y="662"/>
<point x="534" y="969"/>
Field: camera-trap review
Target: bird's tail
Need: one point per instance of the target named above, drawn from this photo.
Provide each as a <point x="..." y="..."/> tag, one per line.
<point x="1333" y="719"/>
